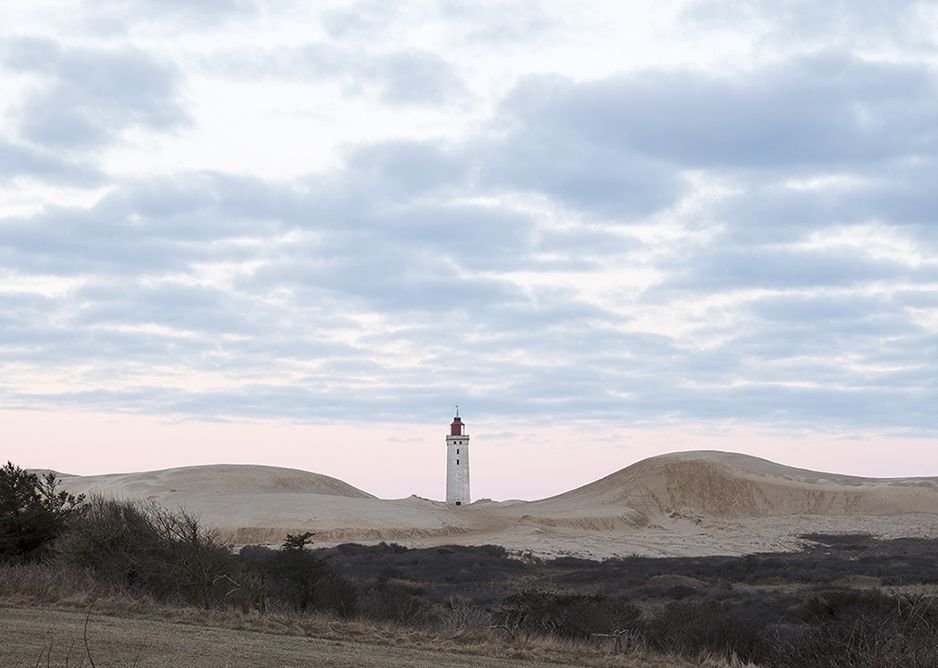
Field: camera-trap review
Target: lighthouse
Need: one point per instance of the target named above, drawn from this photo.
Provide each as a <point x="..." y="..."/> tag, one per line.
<point x="457" y="463"/>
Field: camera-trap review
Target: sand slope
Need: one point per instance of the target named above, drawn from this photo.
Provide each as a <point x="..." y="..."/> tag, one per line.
<point x="214" y="479"/>
<point x="677" y="504"/>
<point x="734" y="485"/>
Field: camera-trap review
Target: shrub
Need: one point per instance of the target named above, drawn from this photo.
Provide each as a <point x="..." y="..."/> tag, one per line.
<point x="305" y="581"/>
<point x="395" y="601"/>
<point x="146" y="548"/>
<point x="570" y="615"/>
<point x="845" y="605"/>
<point x="199" y="563"/>
<point x="118" y="543"/>
<point x="860" y="630"/>
<point x="33" y="512"/>
<point x="690" y="628"/>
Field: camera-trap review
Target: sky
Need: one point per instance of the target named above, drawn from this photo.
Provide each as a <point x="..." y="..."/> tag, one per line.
<point x="297" y="234"/>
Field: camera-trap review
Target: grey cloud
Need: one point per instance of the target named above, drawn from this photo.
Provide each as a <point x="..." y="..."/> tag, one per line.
<point x="903" y="196"/>
<point x="820" y="309"/>
<point x="160" y="225"/>
<point x="418" y="78"/>
<point x="586" y="242"/>
<point x="408" y="77"/>
<point x="205" y="329"/>
<point x="91" y="95"/>
<point x="117" y="17"/>
<point x="503" y="25"/>
<point x="178" y="306"/>
<point x="472" y="237"/>
<point x="65" y="242"/>
<point x="405" y="77"/>
<point x="364" y="18"/>
<point x="110" y="352"/>
<point x="17" y="160"/>
<point x="586" y="363"/>
<point x="585" y="174"/>
<point x="897" y="195"/>
<point x="769" y="212"/>
<point x="877" y="408"/>
<point x="386" y="279"/>
<point x="200" y="9"/>
<point x="789" y="22"/>
<point x="831" y="341"/>
<point x="617" y="147"/>
<point x="743" y="267"/>
<point x="859" y="337"/>
<point x="561" y="393"/>
<point x="822" y="110"/>
<point x="925" y="297"/>
<point x="405" y="169"/>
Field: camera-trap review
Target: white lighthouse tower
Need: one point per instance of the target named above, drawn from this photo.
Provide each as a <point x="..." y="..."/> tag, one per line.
<point x="457" y="463"/>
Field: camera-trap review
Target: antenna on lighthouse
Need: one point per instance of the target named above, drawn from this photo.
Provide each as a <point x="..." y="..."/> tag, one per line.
<point x="457" y="410"/>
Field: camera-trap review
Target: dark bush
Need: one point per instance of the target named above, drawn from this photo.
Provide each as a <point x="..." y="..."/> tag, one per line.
<point x="692" y="627"/>
<point x="391" y="600"/>
<point x="200" y="565"/>
<point x="570" y="615"/>
<point x="481" y="573"/>
<point x="845" y="605"/>
<point x="862" y="630"/>
<point x="308" y="582"/>
<point x="33" y="512"/>
<point x="117" y="541"/>
<point x="146" y="548"/>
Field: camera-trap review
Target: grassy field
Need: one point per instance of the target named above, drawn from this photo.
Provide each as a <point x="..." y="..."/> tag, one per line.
<point x="55" y="637"/>
<point x="113" y="641"/>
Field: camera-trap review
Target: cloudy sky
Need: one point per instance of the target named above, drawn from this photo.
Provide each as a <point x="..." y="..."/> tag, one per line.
<point x="298" y="233"/>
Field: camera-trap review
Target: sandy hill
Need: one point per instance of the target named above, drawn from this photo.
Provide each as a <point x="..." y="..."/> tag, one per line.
<point x="214" y="479"/>
<point x="676" y="504"/>
<point x="734" y="485"/>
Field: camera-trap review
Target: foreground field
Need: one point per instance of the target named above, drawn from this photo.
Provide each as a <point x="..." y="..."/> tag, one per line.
<point x="55" y="637"/>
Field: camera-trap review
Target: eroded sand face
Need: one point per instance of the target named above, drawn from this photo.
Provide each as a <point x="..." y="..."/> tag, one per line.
<point x="681" y="504"/>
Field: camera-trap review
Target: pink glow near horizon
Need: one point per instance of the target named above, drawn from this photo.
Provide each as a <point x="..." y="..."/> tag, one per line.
<point x="396" y="460"/>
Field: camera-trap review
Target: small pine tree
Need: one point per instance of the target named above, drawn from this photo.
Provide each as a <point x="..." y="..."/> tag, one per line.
<point x="33" y="511"/>
<point x="297" y="542"/>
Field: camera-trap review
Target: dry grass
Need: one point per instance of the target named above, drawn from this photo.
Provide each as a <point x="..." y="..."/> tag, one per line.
<point x="47" y="605"/>
<point x="50" y="638"/>
<point x="40" y="583"/>
<point x="42" y="610"/>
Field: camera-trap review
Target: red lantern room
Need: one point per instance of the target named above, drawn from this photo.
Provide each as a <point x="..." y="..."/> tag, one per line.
<point x="456" y="428"/>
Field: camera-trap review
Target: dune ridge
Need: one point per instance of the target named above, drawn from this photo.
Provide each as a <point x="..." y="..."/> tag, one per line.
<point x="730" y="484"/>
<point x="215" y="479"/>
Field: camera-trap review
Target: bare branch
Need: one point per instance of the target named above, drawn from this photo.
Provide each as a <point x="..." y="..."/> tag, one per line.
<point x="85" y="638"/>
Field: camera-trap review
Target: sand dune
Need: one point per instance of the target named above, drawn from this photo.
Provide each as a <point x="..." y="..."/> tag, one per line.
<point x="675" y="504"/>
<point x="212" y="480"/>
<point x="734" y="485"/>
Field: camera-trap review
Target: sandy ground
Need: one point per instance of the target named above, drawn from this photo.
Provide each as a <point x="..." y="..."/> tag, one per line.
<point x="681" y="504"/>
